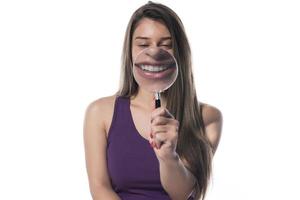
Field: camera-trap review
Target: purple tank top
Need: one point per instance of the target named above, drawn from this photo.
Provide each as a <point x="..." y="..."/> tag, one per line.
<point x="132" y="163"/>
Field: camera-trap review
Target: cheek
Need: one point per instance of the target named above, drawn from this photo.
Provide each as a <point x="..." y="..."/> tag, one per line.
<point x="171" y="52"/>
<point x="134" y="53"/>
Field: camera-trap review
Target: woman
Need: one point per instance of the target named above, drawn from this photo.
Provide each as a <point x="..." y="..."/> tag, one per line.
<point x="183" y="133"/>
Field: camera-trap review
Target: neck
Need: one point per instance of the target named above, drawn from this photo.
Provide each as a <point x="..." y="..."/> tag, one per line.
<point x="146" y="99"/>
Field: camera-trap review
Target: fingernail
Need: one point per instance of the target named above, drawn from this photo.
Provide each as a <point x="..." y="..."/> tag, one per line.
<point x="152" y="144"/>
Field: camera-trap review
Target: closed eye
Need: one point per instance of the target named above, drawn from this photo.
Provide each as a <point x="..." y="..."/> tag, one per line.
<point x="143" y="45"/>
<point x="166" y="46"/>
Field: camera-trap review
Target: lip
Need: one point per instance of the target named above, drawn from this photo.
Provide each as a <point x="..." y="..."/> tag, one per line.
<point x="155" y="75"/>
<point x="168" y="64"/>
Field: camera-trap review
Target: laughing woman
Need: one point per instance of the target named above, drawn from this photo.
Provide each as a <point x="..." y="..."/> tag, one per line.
<point x="135" y="151"/>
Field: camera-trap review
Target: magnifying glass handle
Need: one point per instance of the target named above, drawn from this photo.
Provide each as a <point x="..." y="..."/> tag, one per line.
<point x="157" y="100"/>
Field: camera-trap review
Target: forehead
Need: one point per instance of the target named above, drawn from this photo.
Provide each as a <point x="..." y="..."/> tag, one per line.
<point x="150" y="28"/>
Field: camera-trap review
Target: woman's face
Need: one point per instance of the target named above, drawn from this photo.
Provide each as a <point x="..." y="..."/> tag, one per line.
<point x="155" y="69"/>
<point x="150" y="33"/>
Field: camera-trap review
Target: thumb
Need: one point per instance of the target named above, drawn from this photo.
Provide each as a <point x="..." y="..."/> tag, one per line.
<point x="153" y="103"/>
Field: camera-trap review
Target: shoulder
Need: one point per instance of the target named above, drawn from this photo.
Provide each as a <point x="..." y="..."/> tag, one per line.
<point x="102" y="102"/>
<point x="210" y="113"/>
<point x="101" y="105"/>
<point x="101" y="110"/>
<point x="213" y="122"/>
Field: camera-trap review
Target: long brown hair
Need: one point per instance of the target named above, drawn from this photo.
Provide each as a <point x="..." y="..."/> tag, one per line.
<point x="192" y="145"/>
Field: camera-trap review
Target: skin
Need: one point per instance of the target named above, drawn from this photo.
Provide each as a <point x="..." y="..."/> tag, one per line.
<point x="156" y="125"/>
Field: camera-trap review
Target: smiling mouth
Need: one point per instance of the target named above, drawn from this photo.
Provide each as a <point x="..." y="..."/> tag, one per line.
<point x="154" y="68"/>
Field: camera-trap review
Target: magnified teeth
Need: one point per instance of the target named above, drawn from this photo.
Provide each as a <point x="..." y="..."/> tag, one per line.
<point x="152" y="68"/>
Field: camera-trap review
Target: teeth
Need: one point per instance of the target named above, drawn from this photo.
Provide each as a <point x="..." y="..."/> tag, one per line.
<point x="152" y="68"/>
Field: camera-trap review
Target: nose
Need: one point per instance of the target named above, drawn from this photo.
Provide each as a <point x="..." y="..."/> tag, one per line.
<point x="157" y="53"/>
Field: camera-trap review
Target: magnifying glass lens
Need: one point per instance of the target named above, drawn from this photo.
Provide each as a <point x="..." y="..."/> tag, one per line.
<point x="155" y="70"/>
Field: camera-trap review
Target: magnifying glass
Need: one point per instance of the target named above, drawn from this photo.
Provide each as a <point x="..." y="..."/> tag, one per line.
<point x="155" y="70"/>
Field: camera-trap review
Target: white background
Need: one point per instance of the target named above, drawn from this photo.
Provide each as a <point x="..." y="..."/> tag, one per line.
<point x="57" y="56"/>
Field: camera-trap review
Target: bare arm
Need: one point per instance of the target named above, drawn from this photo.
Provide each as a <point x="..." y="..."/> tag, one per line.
<point x="213" y="120"/>
<point x="95" y="152"/>
<point x="177" y="180"/>
<point x="173" y="169"/>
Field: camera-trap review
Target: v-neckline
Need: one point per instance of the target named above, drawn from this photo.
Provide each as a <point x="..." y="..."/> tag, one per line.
<point x="133" y="123"/>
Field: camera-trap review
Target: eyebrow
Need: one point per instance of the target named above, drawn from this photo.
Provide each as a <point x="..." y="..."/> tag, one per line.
<point x="147" y="38"/>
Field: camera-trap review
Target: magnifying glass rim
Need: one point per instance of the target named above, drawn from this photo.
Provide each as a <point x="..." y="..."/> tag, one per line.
<point x="142" y="51"/>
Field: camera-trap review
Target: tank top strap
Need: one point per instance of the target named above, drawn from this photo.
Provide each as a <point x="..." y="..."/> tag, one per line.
<point x="121" y="115"/>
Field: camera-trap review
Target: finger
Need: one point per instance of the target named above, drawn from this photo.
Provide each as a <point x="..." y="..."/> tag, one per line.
<point x="153" y="103"/>
<point x="161" y="112"/>
<point x="171" y="127"/>
<point x="159" y="140"/>
<point x="173" y="122"/>
<point x="158" y="111"/>
<point x="160" y="137"/>
<point x="157" y="134"/>
<point x="159" y="120"/>
<point x="158" y="129"/>
<point x="170" y="130"/>
<point x="155" y="143"/>
<point x="169" y="114"/>
<point x="152" y="143"/>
